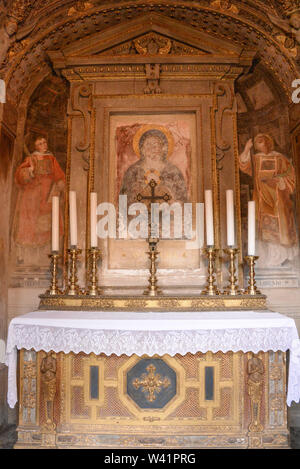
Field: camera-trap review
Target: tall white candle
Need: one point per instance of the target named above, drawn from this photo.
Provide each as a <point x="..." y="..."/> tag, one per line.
<point x="73" y="218"/>
<point x="230" y="218"/>
<point x="200" y="224"/>
<point x="209" y="218"/>
<point x="93" y="218"/>
<point x="55" y="223"/>
<point x="251" y="228"/>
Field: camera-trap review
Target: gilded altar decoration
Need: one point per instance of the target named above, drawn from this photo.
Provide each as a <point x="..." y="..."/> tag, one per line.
<point x="151" y="383"/>
<point x="29" y="388"/>
<point x="255" y="370"/>
<point x="179" y="414"/>
<point x="48" y="379"/>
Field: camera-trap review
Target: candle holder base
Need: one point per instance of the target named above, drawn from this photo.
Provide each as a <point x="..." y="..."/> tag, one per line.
<point x="54" y="290"/>
<point x="232" y="289"/>
<point x="93" y="290"/>
<point x="73" y="288"/>
<point x="152" y="289"/>
<point x="211" y="289"/>
<point x="252" y="289"/>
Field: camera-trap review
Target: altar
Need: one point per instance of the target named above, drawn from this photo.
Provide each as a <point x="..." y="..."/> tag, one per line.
<point x="165" y="199"/>
<point x="102" y="379"/>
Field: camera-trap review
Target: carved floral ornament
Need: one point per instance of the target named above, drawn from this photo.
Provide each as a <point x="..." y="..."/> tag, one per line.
<point x="246" y="27"/>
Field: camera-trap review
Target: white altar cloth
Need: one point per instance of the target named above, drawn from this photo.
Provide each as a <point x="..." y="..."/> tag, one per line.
<point x="153" y="333"/>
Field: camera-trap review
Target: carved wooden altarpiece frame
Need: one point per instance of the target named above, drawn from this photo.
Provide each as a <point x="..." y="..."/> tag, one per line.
<point x="153" y="66"/>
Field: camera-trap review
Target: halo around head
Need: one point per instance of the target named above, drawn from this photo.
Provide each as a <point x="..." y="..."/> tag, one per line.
<point x="268" y="137"/>
<point x="145" y="128"/>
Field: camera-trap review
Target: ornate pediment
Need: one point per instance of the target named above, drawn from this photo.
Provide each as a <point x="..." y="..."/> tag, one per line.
<point x="150" y="39"/>
<point x="153" y="44"/>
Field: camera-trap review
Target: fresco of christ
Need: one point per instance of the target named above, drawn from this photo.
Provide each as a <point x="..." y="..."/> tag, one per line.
<point x="153" y="145"/>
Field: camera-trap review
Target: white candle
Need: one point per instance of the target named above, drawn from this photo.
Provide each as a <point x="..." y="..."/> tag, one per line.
<point x="73" y="218"/>
<point x="230" y="218"/>
<point x="55" y="223"/>
<point x="200" y="224"/>
<point x="209" y="218"/>
<point x="251" y="228"/>
<point x="93" y="218"/>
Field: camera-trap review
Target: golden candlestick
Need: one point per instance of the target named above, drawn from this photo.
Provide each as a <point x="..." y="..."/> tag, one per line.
<point x="94" y="255"/>
<point x="54" y="290"/>
<point x="232" y="288"/>
<point x="210" y="288"/>
<point x="252" y="289"/>
<point x="152" y="289"/>
<point x="73" y="288"/>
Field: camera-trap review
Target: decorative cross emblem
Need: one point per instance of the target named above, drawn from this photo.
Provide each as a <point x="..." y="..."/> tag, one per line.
<point x="153" y="198"/>
<point x="151" y="383"/>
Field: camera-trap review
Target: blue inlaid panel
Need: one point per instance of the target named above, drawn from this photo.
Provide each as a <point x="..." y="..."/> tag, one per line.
<point x="94" y="382"/>
<point x="209" y="383"/>
<point x="151" y="383"/>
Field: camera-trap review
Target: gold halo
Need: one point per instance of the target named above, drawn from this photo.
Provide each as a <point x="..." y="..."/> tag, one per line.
<point x="144" y="128"/>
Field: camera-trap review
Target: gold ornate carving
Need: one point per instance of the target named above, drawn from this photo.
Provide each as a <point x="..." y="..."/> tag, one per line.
<point x="79" y="7"/>
<point x="153" y="44"/>
<point x="48" y="378"/>
<point x="29" y="390"/>
<point x="255" y="370"/>
<point x="224" y="6"/>
<point x="159" y="303"/>
<point x="151" y="383"/>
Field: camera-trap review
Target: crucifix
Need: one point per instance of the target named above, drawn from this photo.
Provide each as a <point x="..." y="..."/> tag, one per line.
<point x="152" y="289"/>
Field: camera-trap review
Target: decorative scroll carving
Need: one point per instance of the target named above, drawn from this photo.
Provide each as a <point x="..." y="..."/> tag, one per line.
<point x="48" y="378"/>
<point x="255" y="370"/>
<point x="225" y="92"/>
<point x="82" y="92"/>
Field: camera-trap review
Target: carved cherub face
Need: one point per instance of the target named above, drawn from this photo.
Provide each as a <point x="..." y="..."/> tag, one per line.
<point x="294" y="20"/>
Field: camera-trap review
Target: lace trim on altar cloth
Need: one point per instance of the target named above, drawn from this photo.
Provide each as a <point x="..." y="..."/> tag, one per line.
<point x="170" y="342"/>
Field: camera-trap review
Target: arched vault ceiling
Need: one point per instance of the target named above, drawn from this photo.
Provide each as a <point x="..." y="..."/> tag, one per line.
<point x="54" y="24"/>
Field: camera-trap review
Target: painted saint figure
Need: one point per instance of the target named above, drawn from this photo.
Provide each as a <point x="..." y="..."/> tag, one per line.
<point x="38" y="178"/>
<point x="274" y="183"/>
<point x="153" y="149"/>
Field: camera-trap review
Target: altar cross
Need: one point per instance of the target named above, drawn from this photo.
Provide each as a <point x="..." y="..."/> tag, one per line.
<point x="153" y="197"/>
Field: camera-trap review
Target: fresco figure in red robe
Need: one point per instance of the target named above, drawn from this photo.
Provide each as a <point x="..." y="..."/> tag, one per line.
<point x="38" y="178"/>
<point x="274" y="183"/>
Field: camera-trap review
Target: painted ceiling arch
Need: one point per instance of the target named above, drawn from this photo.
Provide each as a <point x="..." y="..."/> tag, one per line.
<point x="43" y="26"/>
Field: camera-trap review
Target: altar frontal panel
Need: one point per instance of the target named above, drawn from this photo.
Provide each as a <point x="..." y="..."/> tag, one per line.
<point x="197" y="400"/>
